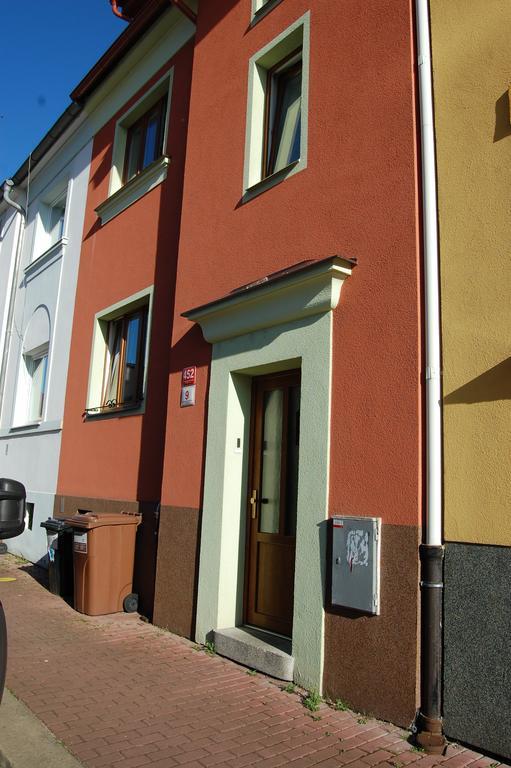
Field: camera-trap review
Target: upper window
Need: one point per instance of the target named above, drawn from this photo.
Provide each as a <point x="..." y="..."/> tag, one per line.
<point x="276" y="135"/>
<point x="119" y="356"/>
<point x="56" y="216"/>
<point x="52" y="217"/>
<point x="283" y="111"/>
<point x="139" y="161"/>
<point x="144" y="142"/>
<point x="124" y="360"/>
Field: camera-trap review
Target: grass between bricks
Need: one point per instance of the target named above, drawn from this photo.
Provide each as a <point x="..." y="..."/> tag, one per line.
<point x="312" y="700"/>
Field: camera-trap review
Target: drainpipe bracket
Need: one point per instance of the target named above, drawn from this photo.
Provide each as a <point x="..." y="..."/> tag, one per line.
<point x="430" y="735"/>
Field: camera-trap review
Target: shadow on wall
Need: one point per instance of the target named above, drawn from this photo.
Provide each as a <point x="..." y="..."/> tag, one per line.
<point x="502" y="118"/>
<point x="494" y="384"/>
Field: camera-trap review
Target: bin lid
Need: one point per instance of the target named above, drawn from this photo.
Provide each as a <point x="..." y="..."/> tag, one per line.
<point x="56" y="526"/>
<point x="12" y="489"/>
<point x="90" y="520"/>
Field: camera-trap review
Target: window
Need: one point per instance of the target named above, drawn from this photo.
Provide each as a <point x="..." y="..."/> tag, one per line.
<point x="139" y="162"/>
<point x="118" y="369"/>
<point x="32" y="383"/>
<point x="144" y="141"/>
<point x="124" y="363"/>
<point x="283" y="115"/>
<point x="37" y="366"/>
<point x="56" y="215"/>
<point x="52" y="216"/>
<point x="276" y="134"/>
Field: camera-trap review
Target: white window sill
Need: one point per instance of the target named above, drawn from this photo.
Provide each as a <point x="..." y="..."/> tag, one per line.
<point x="45" y="259"/>
<point x="275" y="178"/>
<point x="263" y="10"/>
<point x="31" y="428"/>
<point x="136" y="188"/>
<point x="113" y="413"/>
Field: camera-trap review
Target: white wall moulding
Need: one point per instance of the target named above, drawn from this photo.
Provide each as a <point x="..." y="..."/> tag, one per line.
<point x="136" y="188"/>
<point x="45" y="260"/>
<point x="306" y="289"/>
<point x="38" y="428"/>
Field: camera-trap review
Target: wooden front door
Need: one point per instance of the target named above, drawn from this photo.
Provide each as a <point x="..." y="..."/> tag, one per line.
<point x="272" y="502"/>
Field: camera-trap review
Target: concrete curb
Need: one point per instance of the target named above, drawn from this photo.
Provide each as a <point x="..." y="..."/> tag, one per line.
<point x="25" y="742"/>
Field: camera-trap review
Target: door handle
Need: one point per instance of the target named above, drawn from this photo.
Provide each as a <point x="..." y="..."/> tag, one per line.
<point x="253" y="504"/>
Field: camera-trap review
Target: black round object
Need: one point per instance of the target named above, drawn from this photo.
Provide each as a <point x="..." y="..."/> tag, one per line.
<point x="130" y="603"/>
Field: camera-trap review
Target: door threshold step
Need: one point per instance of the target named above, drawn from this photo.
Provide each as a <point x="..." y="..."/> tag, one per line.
<point x="268" y="653"/>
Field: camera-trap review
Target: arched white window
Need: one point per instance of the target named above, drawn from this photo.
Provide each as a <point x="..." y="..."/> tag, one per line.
<point x="33" y="371"/>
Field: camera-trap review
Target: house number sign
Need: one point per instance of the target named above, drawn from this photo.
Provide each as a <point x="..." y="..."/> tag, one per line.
<point x="188" y="378"/>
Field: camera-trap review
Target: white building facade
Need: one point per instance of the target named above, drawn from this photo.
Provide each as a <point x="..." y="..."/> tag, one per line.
<point x="39" y="256"/>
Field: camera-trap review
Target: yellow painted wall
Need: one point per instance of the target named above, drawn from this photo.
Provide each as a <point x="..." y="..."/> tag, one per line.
<point x="472" y="71"/>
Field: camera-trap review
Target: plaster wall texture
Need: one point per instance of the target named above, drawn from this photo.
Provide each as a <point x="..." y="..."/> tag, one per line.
<point x="33" y="457"/>
<point x="119" y="456"/>
<point x="357" y="197"/>
<point x="43" y="312"/>
<point x="477" y="673"/>
<point x="473" y="140"/>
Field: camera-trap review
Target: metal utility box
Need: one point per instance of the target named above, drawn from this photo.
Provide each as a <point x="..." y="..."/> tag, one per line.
<point x="356" y="563"/>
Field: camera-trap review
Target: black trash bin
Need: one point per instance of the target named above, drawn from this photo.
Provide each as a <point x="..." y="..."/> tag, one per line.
<point x="12" y="508"/>
<point x="60" y="557"/>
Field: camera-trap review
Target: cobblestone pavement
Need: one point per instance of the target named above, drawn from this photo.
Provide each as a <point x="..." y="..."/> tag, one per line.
<point x="120" y="692"/>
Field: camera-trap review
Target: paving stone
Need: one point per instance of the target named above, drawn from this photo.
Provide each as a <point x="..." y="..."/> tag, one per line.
<point x="128" y="695"/>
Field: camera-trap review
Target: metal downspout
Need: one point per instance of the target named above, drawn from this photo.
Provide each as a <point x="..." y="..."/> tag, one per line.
<point x="8" y="186"/>
<point x="430" y="734"/>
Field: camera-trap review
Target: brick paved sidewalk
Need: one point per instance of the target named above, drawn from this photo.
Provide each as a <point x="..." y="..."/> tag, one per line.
<point x="120" y="692"/>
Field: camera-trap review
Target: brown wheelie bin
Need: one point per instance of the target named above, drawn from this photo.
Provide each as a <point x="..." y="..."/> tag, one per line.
<point x="103" y="555"/>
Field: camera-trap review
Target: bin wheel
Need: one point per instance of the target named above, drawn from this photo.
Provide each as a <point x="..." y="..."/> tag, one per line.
<point x="130" y="603"/>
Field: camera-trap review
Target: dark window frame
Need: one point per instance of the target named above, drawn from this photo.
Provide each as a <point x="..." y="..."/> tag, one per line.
<point x="124" y="320"/>
<point x="275" y="77"/>
<point x="159" y="109"/>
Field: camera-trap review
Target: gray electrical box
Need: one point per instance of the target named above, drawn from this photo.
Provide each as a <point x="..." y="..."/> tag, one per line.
<point x="356" y="563"/>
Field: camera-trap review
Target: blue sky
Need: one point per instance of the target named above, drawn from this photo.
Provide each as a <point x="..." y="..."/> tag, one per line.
<point x="47" y="47"/>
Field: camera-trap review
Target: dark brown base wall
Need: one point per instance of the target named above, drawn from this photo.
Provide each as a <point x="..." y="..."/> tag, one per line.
<point x="177" y="570"/>
<point x="146" y="543"/>
<point x="372" y="662"/>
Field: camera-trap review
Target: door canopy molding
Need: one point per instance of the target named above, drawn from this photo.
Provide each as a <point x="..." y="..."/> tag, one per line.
<point x="308" y="288"/>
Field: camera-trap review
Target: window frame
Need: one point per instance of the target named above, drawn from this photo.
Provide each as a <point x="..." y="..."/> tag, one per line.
<point x="120" y="403"/>
<point x="261" y="66"/>
<point x="273" y="107"/>
<point x="160" y="109"/>
<point x="123" y="194"/>
<point x="30" y="359"/>
<point x="45" y="240"/>
<point x="95" y="403"/>
<point x="162" y="88"/>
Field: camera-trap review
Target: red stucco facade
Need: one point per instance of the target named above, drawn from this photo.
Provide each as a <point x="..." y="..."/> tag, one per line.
<point x="357" y="197"/>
